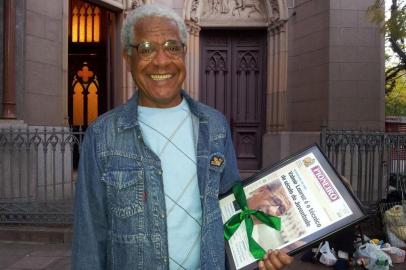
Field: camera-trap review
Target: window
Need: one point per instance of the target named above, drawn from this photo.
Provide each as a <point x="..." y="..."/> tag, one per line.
<point x="85" y="22"/>
<point x="85" y="96"/>
<point x="89" y="54"/>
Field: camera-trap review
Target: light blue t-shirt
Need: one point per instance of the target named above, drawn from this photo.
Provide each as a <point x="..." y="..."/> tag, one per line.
<point x="170" y="135"/>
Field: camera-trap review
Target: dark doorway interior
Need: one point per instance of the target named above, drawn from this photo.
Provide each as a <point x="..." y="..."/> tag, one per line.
<point x="89" y="75"/>
<point x="90" y="54"/>
<point x="233" y="80"/>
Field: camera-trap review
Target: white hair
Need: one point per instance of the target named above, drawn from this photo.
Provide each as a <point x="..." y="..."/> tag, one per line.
<point x="150" y="10"/>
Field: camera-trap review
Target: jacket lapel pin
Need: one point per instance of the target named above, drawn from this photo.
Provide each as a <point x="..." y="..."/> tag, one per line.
<point x="216" y="161"/>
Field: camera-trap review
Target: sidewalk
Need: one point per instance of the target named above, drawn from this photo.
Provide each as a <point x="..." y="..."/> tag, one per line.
<point x="34" y="256"/>
<point x="41" y="256"/>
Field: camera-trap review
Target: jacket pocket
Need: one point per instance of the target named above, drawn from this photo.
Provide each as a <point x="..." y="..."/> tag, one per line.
<point x="125" y="191"/>
<point x="127" y="251"/>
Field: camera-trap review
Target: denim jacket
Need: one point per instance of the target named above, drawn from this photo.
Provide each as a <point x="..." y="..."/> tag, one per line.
<point x="120" y="214"/>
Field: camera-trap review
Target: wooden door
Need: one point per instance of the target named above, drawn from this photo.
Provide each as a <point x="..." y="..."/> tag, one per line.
<point x="233" y="80"/>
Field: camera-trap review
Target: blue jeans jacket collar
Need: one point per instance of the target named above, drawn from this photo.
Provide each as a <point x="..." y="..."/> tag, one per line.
<point x="129" y="118"/>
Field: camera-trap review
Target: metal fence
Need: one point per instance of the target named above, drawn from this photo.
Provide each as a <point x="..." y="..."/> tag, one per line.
<point x="372" y="161"/>
<point x="37" y="174"/>
<point x="38" y="169"/>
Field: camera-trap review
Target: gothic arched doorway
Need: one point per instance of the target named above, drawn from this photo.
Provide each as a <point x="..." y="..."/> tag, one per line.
<point x="89" y="73"/>
<point x="203" y="17"/>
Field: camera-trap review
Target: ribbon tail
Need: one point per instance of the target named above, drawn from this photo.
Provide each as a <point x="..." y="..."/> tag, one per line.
<point x="256" y="250"/>
<point x="240" y="195"/>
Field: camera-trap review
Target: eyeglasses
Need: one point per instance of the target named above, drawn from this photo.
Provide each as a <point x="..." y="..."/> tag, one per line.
<point x="147" y="50"/>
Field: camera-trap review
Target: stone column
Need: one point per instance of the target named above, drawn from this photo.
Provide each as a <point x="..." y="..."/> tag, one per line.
<point x="9" y="97"/>
<point x="277" y="138"/>
<point x="65" y="59"/>
<point x="192" y="59"/>
<point x="276" y="119"/>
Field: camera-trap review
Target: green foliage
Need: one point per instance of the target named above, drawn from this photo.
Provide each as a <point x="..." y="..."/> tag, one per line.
<point x="396" y="23"/>
<point x="395" y="100"/>
<point x="394" y="27"/>
<point x="376" y="12"/>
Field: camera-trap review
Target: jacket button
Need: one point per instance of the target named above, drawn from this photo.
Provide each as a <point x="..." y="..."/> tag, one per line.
<point x="162" y="215"/>
<point x="159" y="172"/>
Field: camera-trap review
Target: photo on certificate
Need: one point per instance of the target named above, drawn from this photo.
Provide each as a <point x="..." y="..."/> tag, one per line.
<point x="308" y="196"/>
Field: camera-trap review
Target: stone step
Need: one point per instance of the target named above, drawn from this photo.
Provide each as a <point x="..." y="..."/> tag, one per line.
<point x="31" y="233"/>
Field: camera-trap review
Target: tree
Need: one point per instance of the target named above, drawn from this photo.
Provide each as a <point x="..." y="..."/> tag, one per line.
<point x="395" y="33"/>
<point x="395" y="100"/>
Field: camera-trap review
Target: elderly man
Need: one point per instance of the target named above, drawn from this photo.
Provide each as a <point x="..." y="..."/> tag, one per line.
<point x="271" y="199"/>
<point x="151" y="170"/>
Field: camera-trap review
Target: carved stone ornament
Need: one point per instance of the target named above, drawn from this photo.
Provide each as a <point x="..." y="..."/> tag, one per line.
<point x="276" y="25"/>
<point x="233" y="9"/>
<point x="193" y="12"/>
<point x="192" y="27"/>
<point x="274" y="9"/>
<point x="136" y="3"/>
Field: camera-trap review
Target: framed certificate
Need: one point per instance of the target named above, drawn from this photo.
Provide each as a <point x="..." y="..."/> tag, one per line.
<point x="309" y="196"/>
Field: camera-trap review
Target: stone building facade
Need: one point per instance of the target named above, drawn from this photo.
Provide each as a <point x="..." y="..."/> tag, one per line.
<point x="278" y="69"/>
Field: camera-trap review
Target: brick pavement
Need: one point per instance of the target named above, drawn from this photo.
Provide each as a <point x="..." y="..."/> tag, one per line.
<point x="42" y="256"/>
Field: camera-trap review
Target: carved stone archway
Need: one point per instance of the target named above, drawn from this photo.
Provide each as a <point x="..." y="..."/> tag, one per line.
<point x="198" y="14"/>
<point x="132" y="4"/>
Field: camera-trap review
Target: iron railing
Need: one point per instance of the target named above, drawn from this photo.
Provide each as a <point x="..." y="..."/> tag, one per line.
<point x="38" y="169"/>
<point x="37" y="174"/>
<point x="368" y="159"/>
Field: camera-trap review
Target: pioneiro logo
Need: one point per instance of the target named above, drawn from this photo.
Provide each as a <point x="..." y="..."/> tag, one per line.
<point x="325" y="183"/>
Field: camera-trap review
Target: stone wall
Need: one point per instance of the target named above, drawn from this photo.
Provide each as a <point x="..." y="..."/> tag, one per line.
<point x="336" y="67"/>
<point x="308" y="65"/>
<point x="356" y="75"/>
<point x="1" y="54"/>
<point x="43" y="97"/>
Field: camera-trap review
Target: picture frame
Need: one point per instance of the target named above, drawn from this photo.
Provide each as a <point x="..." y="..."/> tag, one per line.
<point x="309" y="196"/>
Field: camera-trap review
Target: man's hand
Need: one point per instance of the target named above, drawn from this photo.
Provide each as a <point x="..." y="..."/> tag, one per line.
<point x="275" y="260"/>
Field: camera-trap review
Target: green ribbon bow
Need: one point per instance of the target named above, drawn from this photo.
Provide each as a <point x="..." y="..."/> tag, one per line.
<point x="231" y="226"/>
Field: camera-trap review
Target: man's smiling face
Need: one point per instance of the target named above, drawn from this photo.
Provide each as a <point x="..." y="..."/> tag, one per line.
<point x="159" y="78"/>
